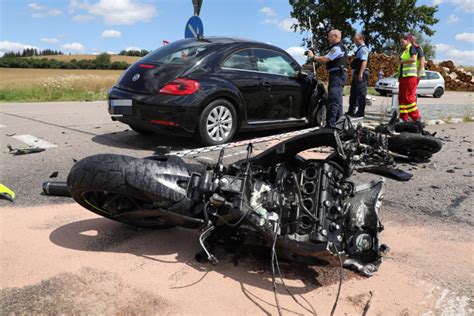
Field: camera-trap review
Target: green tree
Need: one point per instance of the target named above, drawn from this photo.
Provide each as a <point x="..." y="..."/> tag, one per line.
<point x="325" y="15"/>
<point x="381" y="22"/>
<point x="103" y="58"/>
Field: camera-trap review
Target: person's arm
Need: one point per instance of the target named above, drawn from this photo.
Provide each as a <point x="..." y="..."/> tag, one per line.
<point x="319" y="59"/>
<point x="421" y="66"/>
<point x="362" y="69"/>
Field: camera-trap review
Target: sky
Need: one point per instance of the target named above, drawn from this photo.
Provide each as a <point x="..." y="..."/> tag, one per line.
<point x="94" y="26"/>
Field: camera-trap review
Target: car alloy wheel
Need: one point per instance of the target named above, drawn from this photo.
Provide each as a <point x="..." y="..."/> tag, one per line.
<point x="219" y="123"/>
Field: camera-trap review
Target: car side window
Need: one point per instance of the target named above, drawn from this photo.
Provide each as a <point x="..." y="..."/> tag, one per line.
<point x="274" y="62"/>
<point x="432" y="75"/>
<point x="240" y="60"/>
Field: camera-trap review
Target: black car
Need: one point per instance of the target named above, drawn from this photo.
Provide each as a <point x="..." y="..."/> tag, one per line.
<point x="214" y="87"/>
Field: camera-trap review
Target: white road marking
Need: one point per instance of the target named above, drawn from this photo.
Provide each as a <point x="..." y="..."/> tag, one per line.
<point x="34" y="141"/>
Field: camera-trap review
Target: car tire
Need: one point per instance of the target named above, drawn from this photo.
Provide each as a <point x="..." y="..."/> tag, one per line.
<point x="217" y="123"/>
<point x="438" y="92"/>
<point x="383" y="93"/>
<point x="140" y="130"/>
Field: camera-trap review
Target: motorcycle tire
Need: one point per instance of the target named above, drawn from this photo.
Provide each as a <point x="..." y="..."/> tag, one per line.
<point x="98" y="184"/>
<point x="417" y="147"/>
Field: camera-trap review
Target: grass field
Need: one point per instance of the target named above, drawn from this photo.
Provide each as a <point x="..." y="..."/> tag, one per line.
<point x="127" y="59"/>
<point x="41" y="85"/>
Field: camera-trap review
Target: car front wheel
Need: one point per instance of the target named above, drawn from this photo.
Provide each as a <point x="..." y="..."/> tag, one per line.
<point x="218" y="123"/>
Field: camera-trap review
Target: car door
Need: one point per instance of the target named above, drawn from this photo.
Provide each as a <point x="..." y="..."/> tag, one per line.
<point x="281" y="93"/>
<point x="424" y="85"/>
<point x="240" y="68"/>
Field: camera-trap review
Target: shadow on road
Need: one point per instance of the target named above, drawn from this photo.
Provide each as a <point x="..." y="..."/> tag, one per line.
<point x="129" y="139"/>
<point x="103" y="235"/>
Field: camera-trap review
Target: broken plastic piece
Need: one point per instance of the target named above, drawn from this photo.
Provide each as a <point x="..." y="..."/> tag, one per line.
<point x="6" y="193"/>
<point x="391" y="173"/>
<point x="54" y="174"/>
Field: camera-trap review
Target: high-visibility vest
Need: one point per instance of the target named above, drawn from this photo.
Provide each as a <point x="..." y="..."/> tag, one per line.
<point x="407" y="70"/>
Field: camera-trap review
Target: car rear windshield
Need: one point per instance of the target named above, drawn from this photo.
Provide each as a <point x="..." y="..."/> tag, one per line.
<point x="180" y="52"/>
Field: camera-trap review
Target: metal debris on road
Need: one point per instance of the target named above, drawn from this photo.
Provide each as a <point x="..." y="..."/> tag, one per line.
<point x="56" y="188"/>
<point x="24" y="151"/>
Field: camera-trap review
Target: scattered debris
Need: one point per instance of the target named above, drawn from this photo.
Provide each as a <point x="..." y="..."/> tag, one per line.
<point x="469" y="150"/>
<point x="24" y="151"/>
<point x="54" y="174"/>
<point x="450" y="171"/>
<point x="10" y="135"/>
<point x="434" y="186"/>
<point x="6" y="193"/>
<point x="367" y="305"/>
<point x="74" y="160"/>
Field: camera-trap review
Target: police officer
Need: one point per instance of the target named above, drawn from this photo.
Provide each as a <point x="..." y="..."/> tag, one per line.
<point x="336" y="64"/>
<point x="360" y="71"/>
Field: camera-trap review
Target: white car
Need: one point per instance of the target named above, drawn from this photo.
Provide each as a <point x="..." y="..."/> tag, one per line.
<point x="432" y="83"/>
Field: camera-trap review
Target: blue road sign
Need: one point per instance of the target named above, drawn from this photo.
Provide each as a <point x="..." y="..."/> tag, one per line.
<point x="194" y="28"/>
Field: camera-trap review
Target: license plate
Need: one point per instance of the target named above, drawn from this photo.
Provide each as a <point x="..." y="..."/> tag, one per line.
<point x="120" y="107"/>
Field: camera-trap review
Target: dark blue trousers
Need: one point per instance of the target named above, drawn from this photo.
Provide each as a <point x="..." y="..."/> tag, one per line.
<point x="337" y="79"/>
<point x="358" y="93"/>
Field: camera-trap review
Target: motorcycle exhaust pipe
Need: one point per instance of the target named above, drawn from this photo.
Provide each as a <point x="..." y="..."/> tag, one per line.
<point x="55" y="188"/>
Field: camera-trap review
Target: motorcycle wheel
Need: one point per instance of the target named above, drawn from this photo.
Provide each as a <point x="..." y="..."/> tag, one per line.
<point x="98" y="184"/>
<point x="417" y="147"/>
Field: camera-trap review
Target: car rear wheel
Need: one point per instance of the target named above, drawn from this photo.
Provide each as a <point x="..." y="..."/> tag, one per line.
<point x="218" y="123"/>
<point x="438" y="92"/>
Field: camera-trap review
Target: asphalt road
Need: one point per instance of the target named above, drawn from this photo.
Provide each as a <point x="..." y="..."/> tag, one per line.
<point x="61" y="259"/>
<point x="78" y="130"/>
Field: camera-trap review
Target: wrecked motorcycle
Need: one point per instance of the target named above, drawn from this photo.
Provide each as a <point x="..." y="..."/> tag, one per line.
<point x="305" y="210"/>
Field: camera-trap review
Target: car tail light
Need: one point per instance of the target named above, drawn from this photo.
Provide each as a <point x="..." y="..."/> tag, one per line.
<point x="160" y="122"/>
<point x="146" y="66"/>
<point x="180" y="86"/>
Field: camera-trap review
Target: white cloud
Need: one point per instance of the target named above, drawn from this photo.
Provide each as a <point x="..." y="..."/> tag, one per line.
<point x="40" y="12"/>
<point x="132" y="48"/>
<point x="7" y="46"/>
<point x="297" y="52"/>
<point x="73" y="46"/>
<point x="464" y="57"/>
<point x="111" y="34"/>
<point x="466" y="37"/>
<point x="267" y="11"/>
<point x="35" y="6"/>
<point x="284" y="24"/>
<point x="83" y="18"/>
<point x="52" y="40"/>
<point x="117" y="12"/>
<point x="467" y="5"/>
<point x="54" y="12"/>
<point x="453" y="19"/>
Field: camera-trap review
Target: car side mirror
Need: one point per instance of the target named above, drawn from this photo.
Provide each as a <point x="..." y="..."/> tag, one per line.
<point x="300" y="74"/>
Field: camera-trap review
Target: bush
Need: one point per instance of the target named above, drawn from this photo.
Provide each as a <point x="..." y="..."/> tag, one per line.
<point x="102" y="62"/>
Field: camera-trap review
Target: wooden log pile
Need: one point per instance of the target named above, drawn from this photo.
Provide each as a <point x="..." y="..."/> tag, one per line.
<point x="456" y="79"/>
<point x="377" y="62"/>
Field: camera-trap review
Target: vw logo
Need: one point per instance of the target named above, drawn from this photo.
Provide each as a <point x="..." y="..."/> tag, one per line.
<point x="136" y="77"/>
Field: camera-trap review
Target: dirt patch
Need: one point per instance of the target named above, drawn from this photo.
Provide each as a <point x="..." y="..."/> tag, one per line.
<point x="89" y="292"/>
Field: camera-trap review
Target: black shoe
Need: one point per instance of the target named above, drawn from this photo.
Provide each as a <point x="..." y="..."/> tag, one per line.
<point x="351" y="114"/>
<point x="357" y="115"/>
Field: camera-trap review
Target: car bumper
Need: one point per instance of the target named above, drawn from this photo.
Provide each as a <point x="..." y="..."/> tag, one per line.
<point x="161" y="114"/>
<point x="386" y="89"/>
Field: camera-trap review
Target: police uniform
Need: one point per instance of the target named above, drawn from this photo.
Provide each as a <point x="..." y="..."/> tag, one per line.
<point x="337" y="68"/>
<point x="359" y="88"/>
